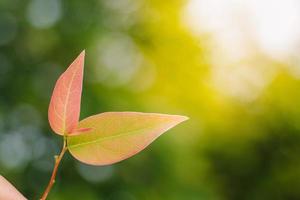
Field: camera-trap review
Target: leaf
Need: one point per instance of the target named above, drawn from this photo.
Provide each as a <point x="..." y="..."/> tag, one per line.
<point x="115" y="136"/>
<point x="64" y="108"/>
<point x="9" y="192"/>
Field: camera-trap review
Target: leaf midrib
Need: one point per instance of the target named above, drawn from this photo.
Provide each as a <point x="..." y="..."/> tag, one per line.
<point x="132" y="132"/>
<point x="67" y="100"/>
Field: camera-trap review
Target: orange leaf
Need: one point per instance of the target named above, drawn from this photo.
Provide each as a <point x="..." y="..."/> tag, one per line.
<point x="115" y="136"/>
<point x="64" y="108"/>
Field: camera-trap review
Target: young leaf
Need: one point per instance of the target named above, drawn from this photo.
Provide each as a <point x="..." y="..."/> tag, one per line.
<point x="64" y="109"/>
<point x="9" y="192"/>
<point x="115" y="136"/>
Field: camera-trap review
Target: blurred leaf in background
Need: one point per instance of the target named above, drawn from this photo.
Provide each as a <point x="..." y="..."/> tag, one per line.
<point x="232" y="67"/>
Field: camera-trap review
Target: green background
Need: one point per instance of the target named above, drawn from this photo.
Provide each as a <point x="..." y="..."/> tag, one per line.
<point x="139" y="57"/>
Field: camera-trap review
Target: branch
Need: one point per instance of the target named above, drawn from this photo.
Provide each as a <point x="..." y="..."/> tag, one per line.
<point x="53" y="176"/>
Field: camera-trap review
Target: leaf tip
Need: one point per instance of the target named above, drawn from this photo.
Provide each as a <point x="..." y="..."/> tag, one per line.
<point x="181" y="118"/>
<point x="81" y="56"/>
<point x="82" y="52"/>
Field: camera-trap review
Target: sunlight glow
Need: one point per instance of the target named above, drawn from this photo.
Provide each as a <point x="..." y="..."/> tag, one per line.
<point x="272" y="24"/>
<point x="245" y="33"/>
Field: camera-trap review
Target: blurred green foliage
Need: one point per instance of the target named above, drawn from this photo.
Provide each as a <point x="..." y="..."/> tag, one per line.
<point x="141" y="58"/>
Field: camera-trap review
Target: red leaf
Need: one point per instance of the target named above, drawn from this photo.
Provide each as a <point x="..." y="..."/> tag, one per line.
<point x="64" y="108"/>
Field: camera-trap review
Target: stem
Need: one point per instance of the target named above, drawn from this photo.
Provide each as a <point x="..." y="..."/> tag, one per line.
<point x="54" y="172"/>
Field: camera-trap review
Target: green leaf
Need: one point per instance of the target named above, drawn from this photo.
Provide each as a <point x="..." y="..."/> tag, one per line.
<point x="115" y="136"/>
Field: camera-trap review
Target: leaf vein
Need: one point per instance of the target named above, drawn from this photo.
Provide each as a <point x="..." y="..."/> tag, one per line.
<point x="128" y="133"/>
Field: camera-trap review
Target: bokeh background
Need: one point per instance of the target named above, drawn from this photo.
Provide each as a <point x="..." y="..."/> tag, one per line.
<point x="232" y="66"/>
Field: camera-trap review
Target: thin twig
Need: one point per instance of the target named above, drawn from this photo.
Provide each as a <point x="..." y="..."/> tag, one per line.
<point x="53" y="176"/>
